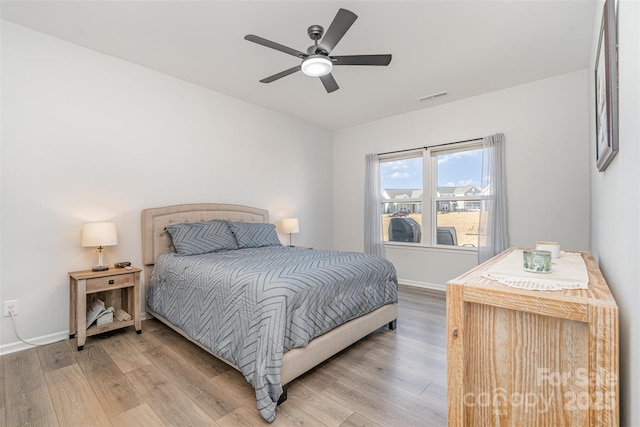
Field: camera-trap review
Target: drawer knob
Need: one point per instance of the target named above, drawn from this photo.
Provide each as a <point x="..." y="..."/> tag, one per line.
<point x="111" y="282"/>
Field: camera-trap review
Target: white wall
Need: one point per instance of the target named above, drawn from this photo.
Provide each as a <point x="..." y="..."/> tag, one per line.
<point x="87" y="137"/>
<point x="615" y="207"/>
<point x="546" y="125"/>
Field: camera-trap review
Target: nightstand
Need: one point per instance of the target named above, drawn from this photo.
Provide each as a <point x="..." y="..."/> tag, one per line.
<point x="117" y="287"/>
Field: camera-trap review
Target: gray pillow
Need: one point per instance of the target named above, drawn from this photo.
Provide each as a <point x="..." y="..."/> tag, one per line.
<point x="202" y="237"/>
<point x="254" y="235"/>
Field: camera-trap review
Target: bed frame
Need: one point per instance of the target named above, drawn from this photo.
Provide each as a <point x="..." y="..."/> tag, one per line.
<point x="156" y="241"/>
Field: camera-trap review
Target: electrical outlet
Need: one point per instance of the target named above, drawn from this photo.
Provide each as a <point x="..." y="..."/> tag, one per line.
<point x="11" y="306"/>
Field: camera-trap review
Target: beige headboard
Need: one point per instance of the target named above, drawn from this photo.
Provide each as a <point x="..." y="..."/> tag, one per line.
<point x="156" y="241"/>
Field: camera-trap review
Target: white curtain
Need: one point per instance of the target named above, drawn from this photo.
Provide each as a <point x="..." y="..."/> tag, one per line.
<point x="372" y="207"/>
<point x="493" y="235"/>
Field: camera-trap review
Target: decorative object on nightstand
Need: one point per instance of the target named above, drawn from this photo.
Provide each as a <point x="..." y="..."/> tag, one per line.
<point x="99" y="234"/>
<point x="291" y="226"/>
<point x="118" y="289"/>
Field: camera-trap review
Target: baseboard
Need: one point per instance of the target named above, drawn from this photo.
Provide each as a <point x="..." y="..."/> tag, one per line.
<point x="45" y="339"/>
<point x="424" y="285"/>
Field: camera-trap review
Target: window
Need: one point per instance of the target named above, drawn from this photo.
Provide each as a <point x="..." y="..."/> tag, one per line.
<point x="402" y="182"/>
<point x="446" y="180"/>
<point x="458" y="195"/>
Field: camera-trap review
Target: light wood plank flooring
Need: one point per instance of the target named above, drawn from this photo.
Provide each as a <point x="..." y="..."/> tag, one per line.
<point x="390" y="378"/>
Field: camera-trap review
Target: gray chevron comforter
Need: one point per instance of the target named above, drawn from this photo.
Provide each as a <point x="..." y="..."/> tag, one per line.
<point x="250" y="306"/>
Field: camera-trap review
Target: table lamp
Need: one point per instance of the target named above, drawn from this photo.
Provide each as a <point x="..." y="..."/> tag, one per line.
<point x="291" y="226"/>
<point x="99" y="234"/>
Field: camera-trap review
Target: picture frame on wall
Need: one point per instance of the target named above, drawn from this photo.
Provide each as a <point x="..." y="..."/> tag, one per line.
<point x="606" y="87"/>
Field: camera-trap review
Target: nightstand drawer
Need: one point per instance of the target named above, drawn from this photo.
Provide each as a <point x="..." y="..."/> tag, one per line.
<point x="109" y="282"/>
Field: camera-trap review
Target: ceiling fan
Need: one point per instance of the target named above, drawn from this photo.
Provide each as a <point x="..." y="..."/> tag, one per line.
<point x="317" y="62"/>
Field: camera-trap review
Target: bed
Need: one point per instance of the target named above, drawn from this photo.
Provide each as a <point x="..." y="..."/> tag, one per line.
<point x="278" y="360"/>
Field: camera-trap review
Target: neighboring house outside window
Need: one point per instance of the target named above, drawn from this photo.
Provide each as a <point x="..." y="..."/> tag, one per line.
<point x="432" y="196"/>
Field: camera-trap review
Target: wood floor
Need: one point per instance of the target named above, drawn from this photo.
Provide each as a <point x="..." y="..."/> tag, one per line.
<point x="390" y="378"/>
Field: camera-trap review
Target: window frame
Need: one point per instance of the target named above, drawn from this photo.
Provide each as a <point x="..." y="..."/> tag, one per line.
<point x="429" y="199"/>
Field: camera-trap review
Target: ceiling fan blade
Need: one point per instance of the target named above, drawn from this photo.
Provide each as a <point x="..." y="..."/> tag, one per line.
<point x="341" y="23"/>
<point x="361" y="60"/>
<point x="329" y="83"/>
<point x="280" y="75"/>
<point x="274" y="45"/>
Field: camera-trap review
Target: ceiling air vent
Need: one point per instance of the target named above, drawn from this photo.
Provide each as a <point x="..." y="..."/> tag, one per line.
<point x="433" y="95"/>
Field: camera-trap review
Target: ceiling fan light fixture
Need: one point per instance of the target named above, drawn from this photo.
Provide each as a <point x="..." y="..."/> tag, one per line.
<point x="316" y="66"/>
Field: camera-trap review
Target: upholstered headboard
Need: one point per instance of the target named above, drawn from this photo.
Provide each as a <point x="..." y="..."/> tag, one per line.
<point x="156" y="240"/>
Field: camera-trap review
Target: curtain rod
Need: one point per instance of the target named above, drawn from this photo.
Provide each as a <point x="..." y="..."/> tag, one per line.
<point x="431" y="146"/>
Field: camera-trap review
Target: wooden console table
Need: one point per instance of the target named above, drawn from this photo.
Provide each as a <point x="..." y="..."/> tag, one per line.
<point x="531" y="358"/>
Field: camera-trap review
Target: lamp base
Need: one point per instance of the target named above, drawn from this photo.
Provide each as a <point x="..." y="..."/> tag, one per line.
<point x="100" y="268"/>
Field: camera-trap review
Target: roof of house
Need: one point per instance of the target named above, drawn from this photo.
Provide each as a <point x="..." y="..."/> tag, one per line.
<point x="412" y="193"/>
<point x="461" y="191"/>
<point x="401" y="193"/>
<point x="446" y="190"/>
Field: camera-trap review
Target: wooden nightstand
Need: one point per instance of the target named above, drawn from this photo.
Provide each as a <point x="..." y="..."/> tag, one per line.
<point x="117" y="287"/>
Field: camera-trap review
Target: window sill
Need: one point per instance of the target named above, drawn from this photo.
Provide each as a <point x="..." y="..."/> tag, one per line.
<point x="440" y="248"/>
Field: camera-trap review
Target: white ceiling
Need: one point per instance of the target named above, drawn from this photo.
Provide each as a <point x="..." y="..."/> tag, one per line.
<point x="463" y="47"/>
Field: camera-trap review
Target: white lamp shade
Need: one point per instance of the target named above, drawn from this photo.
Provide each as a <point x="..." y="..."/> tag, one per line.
<point x="316" y="66"/>
<point x="99" y="234"/>
<point x="290" y="225"/>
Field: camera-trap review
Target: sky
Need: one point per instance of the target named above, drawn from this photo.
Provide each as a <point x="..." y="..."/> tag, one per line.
<point x="454" y="170"/>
